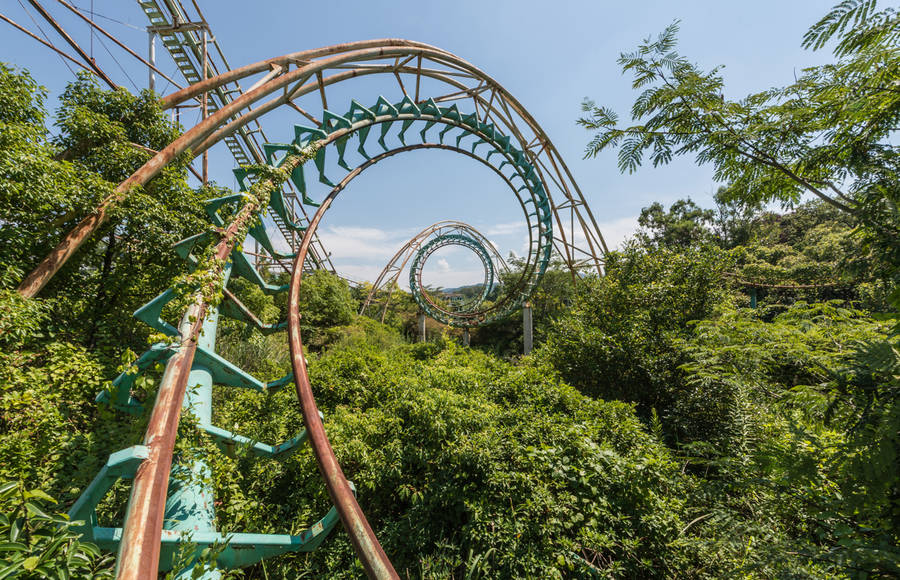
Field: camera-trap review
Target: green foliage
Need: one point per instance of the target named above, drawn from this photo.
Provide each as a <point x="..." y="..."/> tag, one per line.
<point x="99" y="130"/>
<point x="791" y="417"/>
<point x="790" y="362"/>
<point x="47" y="186"/>
<point x="684" y="225"/>
<point x="21" y="320"/>
<point x="37" y="192"/>
<point x="548" y="302"/>
<point x="773" y="409"/>
<point x="828" y="134"/>
<point x="867" y="27"/>
<point x="58" y="353"/>
<point x="789" y="413"/>
<point x="615" y="341"/>
<point x="52" y="434"/>
<point x="815" y="254"/>
<point x="325" y="301"/>
<point x="35" y="544"/>
<point x="467" y="466"/>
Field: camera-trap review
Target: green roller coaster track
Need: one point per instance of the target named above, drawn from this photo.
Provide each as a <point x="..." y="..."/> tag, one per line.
<point x="190" y="504"/>
<point x="468" y="313"/>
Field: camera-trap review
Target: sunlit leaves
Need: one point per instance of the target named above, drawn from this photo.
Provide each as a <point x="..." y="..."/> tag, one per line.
<point x="828" y="134"/>
<point x="37" y="544"/>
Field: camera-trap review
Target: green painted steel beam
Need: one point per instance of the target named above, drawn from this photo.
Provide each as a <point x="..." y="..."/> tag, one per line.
<point x="228" y="440"/>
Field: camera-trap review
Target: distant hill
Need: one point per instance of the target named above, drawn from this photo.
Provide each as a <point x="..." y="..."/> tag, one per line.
<point x="470" y="290"/>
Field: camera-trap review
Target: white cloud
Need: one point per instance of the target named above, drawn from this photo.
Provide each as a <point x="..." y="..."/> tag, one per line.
<point x="362" y="273"/>
<point x="361" y="253"/>
<point x="353" y="242"/>
<point x="505" y="229"/>
<point x="615" y="232"/>
<point x="373" y="234"/>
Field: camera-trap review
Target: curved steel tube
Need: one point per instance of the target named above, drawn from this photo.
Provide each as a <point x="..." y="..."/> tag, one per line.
<point x="366" y="545"/>
<point x="466" y="312"/>
<point x="489" y="97"/>
<point x="405" y="253"/>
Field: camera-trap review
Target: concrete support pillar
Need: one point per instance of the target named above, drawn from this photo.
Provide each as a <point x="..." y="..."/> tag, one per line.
<point x="528" y="330"/>
<point x="465" y="336"/>
<point x="421" y="327"/>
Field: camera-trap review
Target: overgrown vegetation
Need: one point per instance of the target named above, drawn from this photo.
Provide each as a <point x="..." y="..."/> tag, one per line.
<point x="663" y="428"/>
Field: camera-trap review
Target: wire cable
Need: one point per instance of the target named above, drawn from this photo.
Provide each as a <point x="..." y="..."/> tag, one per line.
<point x="103" y="44"/>
<point x="44" y="34"/>
<point x="42" y="41"/>
<point x="97" y="14"/>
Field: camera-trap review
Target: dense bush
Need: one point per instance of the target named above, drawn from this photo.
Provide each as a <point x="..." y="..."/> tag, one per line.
<point x="786" y="422"/>
<point x="466" y="466"/>
<point x="615" y="341"/>
<point x="41" y="545"/>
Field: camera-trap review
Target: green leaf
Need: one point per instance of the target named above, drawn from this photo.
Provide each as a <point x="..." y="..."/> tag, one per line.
<point x="40" y="494"/>
<point x="31" y="563"/>
<point x="36" y="511"/>
<point x="8" y="488"/>
<point x="7" y="572"/>
<point x="12" y="546"/>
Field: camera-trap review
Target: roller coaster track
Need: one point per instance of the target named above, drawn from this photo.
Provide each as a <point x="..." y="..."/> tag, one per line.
<point x="450" y="231"/>
<point x="497" y="131"/>
<point x="172" y="22"/>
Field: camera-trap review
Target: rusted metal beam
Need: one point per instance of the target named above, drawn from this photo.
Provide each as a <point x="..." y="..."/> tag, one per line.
<point x="140" y="545"/>
<point x="505" y="113"/>
<point x="365" y="544"/>
<point x="38" y="278"/>
<point x="140" y="147"/>
<point x="73" y="44"/>
<point x="44" y="42"/>
<point x="295" y="57"/>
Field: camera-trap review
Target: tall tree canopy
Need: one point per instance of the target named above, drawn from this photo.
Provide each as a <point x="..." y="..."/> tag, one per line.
<point x="828" y="134"/>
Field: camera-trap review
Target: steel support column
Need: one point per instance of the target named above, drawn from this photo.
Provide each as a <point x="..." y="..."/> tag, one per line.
<point x="527" y="322"/>
<point x="151" y="84"/>
<point x="205" y="102"/>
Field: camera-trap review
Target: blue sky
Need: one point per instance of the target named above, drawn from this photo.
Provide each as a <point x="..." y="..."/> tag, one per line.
<point x="550" y="55"/>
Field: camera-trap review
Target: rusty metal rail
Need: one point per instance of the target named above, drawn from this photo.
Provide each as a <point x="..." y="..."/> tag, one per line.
<point x="366" y="545"/>
<point x="313" y="72"/>
<point x="139" y="548"/>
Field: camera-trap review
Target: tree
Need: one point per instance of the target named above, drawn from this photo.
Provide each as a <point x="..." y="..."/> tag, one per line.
<point x="828" y="134"/>
<point x="684" y="225"/>
<point x="325" y="301"/>
<point x="550" y="300"/>
<point x="615" y="342"/>
<point x="47" y="185"/>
